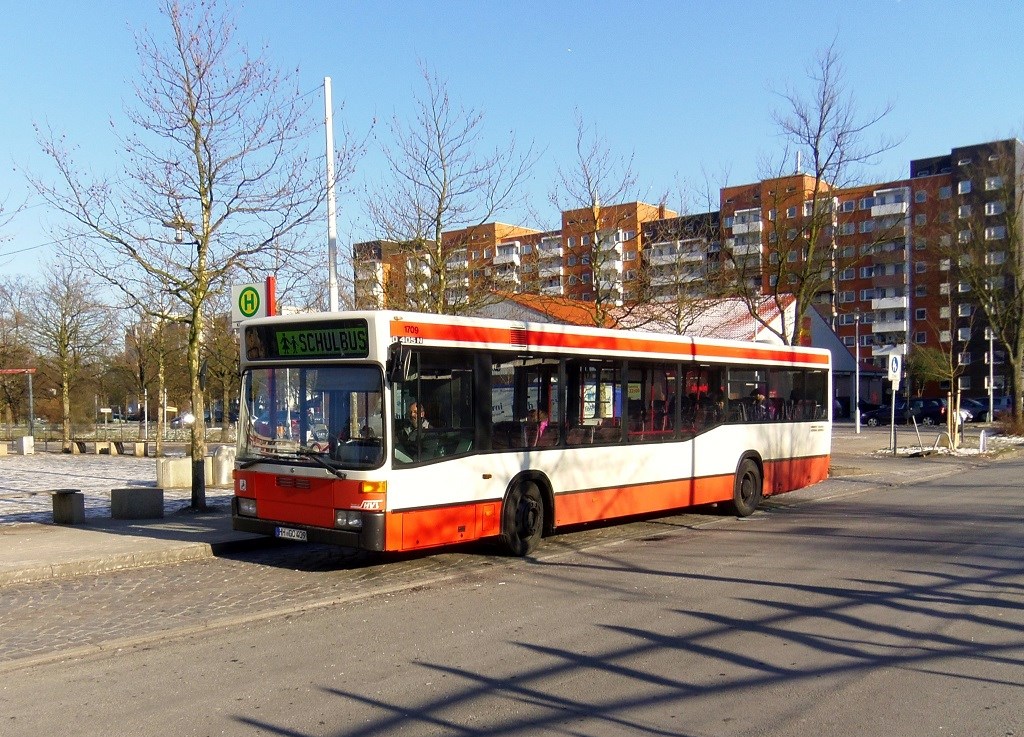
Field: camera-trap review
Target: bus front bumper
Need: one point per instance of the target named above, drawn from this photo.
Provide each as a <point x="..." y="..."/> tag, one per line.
<point x="370" y="537"/>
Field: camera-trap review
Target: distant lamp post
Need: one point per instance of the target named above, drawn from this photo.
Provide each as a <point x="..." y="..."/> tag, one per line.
<point x="856" y="371"/>
<point x="991" y="378"/>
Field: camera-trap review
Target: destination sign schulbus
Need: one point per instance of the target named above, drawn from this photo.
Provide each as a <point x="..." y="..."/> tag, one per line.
<point x="342" y="339"/>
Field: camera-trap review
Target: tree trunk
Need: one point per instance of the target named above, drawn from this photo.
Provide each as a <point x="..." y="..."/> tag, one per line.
<point x="65" y="404"/>
<point x="197" y="448"/>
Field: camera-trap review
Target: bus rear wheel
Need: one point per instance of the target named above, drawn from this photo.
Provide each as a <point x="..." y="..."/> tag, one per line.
<point x="746" y="494"/>
<point x="522" y="519"/>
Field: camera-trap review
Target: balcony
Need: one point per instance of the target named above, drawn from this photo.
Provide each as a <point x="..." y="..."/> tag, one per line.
<point x="753" y="227"/>
<point x="890" y="303"/>
<point x="606" y="248"/>
<point x="893" y="326"/>
<point x="899" y="349"/>
<point x="746" y="250"/>
<point x="674" y="252"/>
<point x="551" y="288"/>
<point x="507" y="254"/>
<point x="548" y="270"/>
<point x="889" y="208"/>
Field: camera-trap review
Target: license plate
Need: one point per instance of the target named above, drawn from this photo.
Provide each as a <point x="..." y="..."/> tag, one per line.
<point x="289" y="533"/>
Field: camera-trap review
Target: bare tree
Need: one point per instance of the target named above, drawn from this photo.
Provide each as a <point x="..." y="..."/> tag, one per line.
<point x="794" y="257"/>
<point x="441" y="180"/>
<point x="217" y="171"/>
<point x="72" y="331"/>
<point x="601" y="228"/>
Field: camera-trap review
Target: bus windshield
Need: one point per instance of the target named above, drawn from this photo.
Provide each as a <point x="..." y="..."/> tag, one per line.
<point x="329" y="415"/>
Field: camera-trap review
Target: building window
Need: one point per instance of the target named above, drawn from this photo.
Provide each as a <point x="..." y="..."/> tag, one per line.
<point x="847" y="206"/>
<point x="866" y="295"/>
<point x="995" y="208"/>
<point x="963" y="162"/>
<point x="963" y="187"/>
<point x="945" y="193"/>
<point x="920" y="196"/>
<point x="865" y="203"/>
<point x="849" y="340"/>
<point x="866" y="226"/>
<point x="920" y="337"/>
<point x="920" y="314"/>
<point x="963" y="287"/>
<point x="964" y="211"/>
<point x="944" y="264"/>
<point x="920" y="267"/>
<point x="920" y="291"/>
<point x="920" y="244"/>
<point x="993" y="183"/>
<point x="995" y="258"/>
<point x="773" y="280"/>
<point x="487" y="252"/>
<point x="866" y="272"/>
<point x="847" y="229"/>
<point x="790" y="212"/>
<point x="964" y="382"/>
<point x="944" y="288"/>
<point x="848" y="252"/>
<point x="995" y="233"/>
<point x="963" y="335"/>
<point x="847" y="274"/>
<point x="944" y="336"/>
<point x="964" y="236"/>
<point x="845" y="297"/>
<point x="920" y="219"/>
<point x="963" y="310"/>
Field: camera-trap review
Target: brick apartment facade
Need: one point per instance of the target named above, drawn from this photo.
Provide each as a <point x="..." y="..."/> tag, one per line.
<point x="888" y="250"/>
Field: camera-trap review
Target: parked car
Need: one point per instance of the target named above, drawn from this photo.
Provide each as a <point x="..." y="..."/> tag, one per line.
<point x="185" y="419"/>
<point x="977" y="407"/>
<point x="932" y="411"/>
<point x="882" y="415"/>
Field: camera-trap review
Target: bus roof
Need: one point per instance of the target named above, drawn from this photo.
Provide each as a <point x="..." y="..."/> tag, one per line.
<point x="505" y="335"/>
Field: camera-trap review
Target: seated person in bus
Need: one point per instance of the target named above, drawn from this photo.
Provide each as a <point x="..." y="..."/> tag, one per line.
<point x="414" y="423"/>
<point x="536" y="424"/>
<point x="758" y="407"/>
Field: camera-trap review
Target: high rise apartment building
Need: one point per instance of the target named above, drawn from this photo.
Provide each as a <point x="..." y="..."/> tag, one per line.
<point x="888" y="257"/>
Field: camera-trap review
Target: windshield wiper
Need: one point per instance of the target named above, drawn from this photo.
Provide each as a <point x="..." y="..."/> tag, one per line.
<point x="259" y="458"/>
<point x="318" y="459"/>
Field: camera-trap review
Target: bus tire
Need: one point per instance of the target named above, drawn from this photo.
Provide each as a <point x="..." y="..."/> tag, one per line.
<point x="522" y="519"/>
<point x="746" y="494"/>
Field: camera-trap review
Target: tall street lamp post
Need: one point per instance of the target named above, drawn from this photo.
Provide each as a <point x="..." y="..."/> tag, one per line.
<point x="856" y="371"/>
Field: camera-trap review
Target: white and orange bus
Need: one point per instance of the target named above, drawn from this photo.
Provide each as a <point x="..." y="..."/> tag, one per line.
<point x="391" y="431"/>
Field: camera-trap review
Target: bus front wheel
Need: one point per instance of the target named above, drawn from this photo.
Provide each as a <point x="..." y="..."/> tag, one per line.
<point x="746" y="494"/>
<point x="522" y="519"/>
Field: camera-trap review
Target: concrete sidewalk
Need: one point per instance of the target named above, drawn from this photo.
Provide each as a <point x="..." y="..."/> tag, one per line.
<point x="32" y="548"/>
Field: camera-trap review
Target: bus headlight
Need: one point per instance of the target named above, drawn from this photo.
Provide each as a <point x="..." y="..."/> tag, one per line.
<point x="246" y="506"/>
<point x="349" y="519"/>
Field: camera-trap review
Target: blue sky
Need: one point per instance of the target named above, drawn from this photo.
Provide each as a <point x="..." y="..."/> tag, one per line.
<point x="683" y="86"/>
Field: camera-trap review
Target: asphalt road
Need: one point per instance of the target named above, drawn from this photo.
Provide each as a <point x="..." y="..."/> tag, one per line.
<point x="869" y="609"/>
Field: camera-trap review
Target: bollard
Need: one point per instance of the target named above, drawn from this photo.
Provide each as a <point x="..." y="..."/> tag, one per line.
<point x="68" y="506"/>
<point x="982" y="443"/>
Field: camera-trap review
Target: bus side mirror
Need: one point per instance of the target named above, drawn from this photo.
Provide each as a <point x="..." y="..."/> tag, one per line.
<point x="399" y="367"/>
